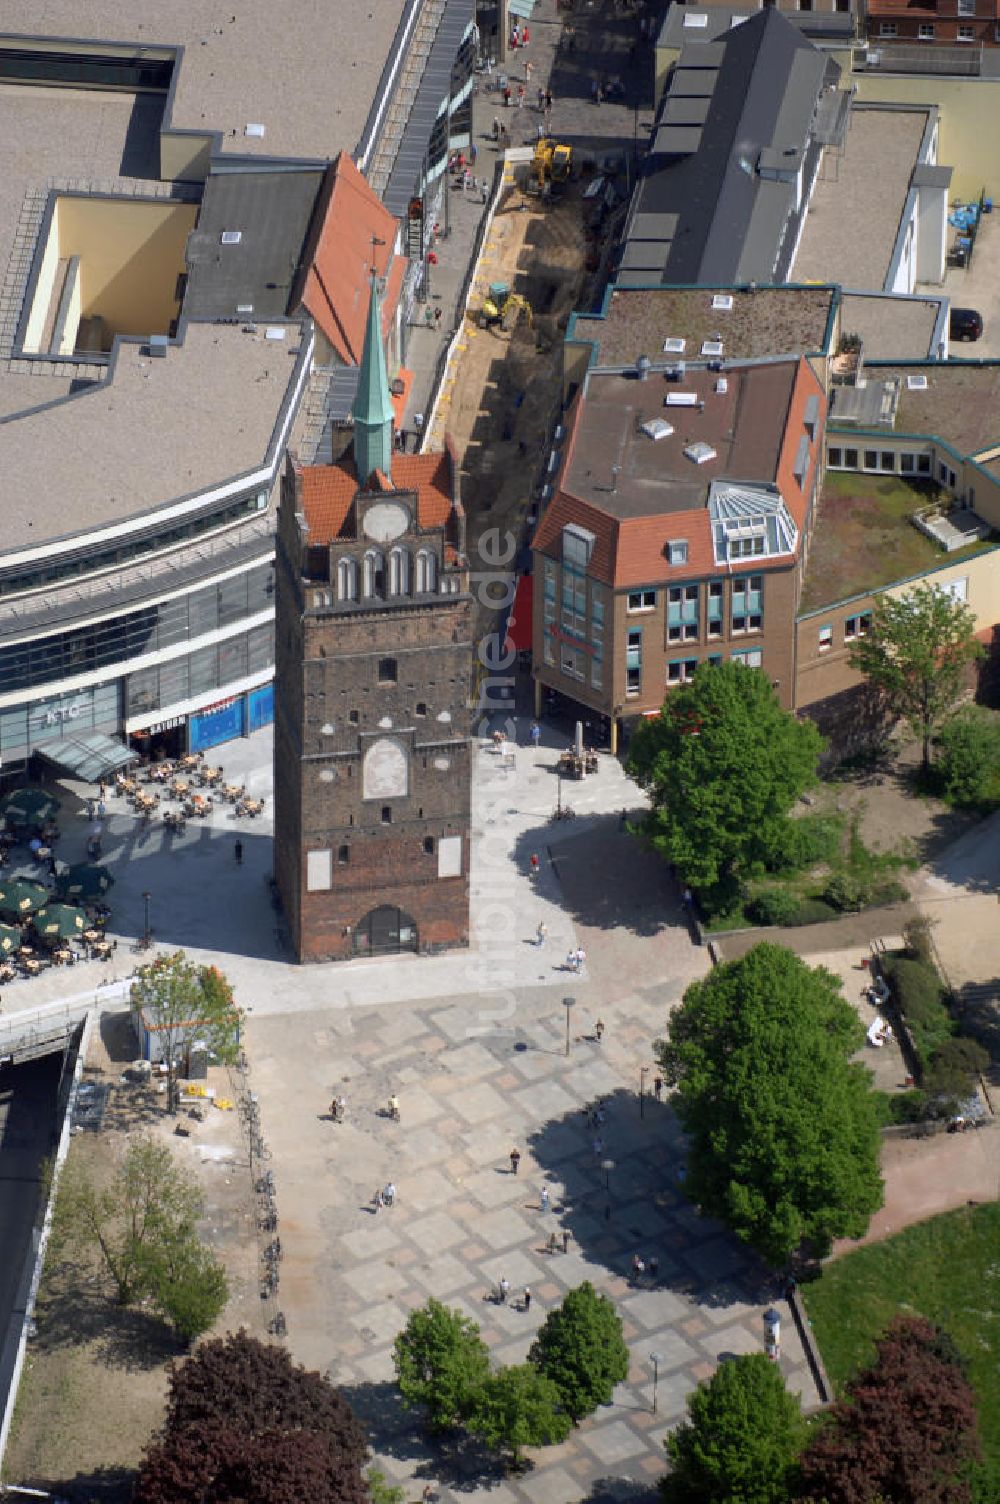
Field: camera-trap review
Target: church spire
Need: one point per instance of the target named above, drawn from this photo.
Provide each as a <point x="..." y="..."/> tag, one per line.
<point x="372" y="410"/>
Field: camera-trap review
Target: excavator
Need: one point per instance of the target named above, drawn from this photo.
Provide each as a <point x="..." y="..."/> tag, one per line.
<point x="502" y="308"/>
<point x="553" y="162"/>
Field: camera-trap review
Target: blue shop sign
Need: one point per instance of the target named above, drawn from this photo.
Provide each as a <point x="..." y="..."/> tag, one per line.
<point x="260" y="708"/>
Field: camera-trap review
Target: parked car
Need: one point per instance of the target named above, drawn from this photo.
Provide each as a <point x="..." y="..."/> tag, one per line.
<point x="966" y="323"/>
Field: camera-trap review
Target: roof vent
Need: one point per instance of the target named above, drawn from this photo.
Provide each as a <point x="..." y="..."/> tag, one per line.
<point x="254" y="130"/>
<point x="244" y="308"/>
<point x="674" y="346"/>
<point x="916" y="383"/>
<point x="722" y="385"/>
<point x="711" y="347"/>
<point x="696" y="20"/>
<point x="722" y="302"/>
<point x="657" y="429"/>
<point x="274" y="331"/>
<point x="700" y="453"/>
<point x="642" y="367"/>
<point x="231" y="237"/>
<point x="681" y="399"/>
<point x="158" y="346"/>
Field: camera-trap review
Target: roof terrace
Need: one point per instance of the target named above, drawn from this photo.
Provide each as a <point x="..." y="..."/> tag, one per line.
<point x="864" y="538"/>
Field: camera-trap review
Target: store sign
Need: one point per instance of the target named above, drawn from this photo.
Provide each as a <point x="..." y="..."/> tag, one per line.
<point x="57" y="715"/>
<point x="170" y="725"/>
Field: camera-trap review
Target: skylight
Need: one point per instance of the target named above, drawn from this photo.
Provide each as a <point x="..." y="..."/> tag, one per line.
<point x="680" y="399"/>
<point x="916" y="383"/>
<point x="711" y="347"/>
<point x="657" y="429"/>
<point x="674" y="346"/>
<point x="231" y="237"/>
<point x="722" y="302"/>
<point x="700" y="452"/>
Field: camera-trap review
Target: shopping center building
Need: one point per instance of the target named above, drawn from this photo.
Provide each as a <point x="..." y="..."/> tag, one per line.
<point x="172" y="202"/>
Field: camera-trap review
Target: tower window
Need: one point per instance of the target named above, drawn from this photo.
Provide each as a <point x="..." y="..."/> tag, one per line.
<point x="421" y="708"/>
<point x="352" y="716"/>
<point x="429" y="845"/>
<point x="387" y="671"/>
<point x="387" y="814"/>
<point x="343" y="855"/>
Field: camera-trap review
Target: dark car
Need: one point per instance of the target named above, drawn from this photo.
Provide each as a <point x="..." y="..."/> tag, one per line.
<point x="965" y="323"/>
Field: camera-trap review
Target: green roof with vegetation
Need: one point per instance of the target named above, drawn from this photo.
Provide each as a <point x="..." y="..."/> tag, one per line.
<point x="864" y="538"/>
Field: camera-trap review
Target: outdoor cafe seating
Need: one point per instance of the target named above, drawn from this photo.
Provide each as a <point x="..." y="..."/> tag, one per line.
<point x="208" y="776"/>
<point x="250" y="807"/>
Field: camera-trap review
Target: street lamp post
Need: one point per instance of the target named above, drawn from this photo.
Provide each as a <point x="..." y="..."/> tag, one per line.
<point x="569" y="1003"/>
<point x="656" y="1359"/>
<point x="643" y="1073"/>
<point x="147" y="933"/>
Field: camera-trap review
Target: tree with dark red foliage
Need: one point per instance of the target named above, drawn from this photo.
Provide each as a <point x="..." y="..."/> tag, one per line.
<point x="245" y="1424"/>
<point x="906" y="1429"/>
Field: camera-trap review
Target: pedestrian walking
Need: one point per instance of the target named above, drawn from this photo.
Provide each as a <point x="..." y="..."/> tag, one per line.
<point x="496" y="127"/>
<point x="548" y="100"/>
<point x="526" y="1301"/>
<point x="377" y="1201"/>
<point x="506" y="95"/>
<point x="654" y="1266"/>
<point x="541" y="98"/>
<point x="536" y="734"/>
<point x="525" y="36"/>
<point x="539" y="132"/>
<point x="238" y="853"/>
<point x="580" y="957"/>
<point x="515" y="1160"/>
<point x="534" y="865"/>
<point x="599" y="1030"/>
<point x="552" y="1246"/>
<point x="565" y="1240"/>
<point x="541" y="934"/>
<point x="527" y="71"/>
<point x="598" y="1147"/>
<point x="389" y="1194"/>
<point x="658" y="1088"/>
<point x="473" y="153"/>
<point x="520" y="95"/>
<point x="503" y="1290"/>
<point x="543" y="1200"/>
<point x="638" y="1267"/>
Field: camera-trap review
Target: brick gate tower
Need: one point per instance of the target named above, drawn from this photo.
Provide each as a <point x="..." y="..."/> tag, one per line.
<point x="373" y="674"/>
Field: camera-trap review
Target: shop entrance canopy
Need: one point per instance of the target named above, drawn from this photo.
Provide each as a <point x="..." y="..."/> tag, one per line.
<point x="90" y="757"/>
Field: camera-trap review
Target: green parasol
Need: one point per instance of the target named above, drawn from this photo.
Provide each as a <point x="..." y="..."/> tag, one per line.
<point x="59" y="922"/>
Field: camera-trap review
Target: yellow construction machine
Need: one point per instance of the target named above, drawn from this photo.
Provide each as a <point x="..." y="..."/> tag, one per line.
<point x="503" y="308"/>
<point x="553" y="161"/>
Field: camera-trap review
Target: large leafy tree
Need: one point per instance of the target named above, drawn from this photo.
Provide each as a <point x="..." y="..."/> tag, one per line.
<point x="441" y="1362"/>
<point x="739" y="1443"/>
<point x="244" y="1423"/>
<point x="906" y="1429"/>
<point x="580" y="1347"/>
<point x="782" y="1128"/>
<point x="723" y="765"/>
<point x="915" y="651"/>
<point x="184" y="1003"/>
<point x="517" y="1408"/>
<point x="142" y="1225"/>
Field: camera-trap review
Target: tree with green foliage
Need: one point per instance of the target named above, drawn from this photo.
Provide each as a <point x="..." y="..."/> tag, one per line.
<point x="968" y="762"/>
<point x="723" y="764"/>
<point x="782" y="1127"/>
<point x="740" y="1440"/>
<point x="915" y="651"/>
<point x="441" y="1362"/>
<point x="906" y="1428"/>
<point x="183" y="1003"/>
<point x="517" y="1408"/>
<point x="143" y="1225"/>
<point x="580" y="1347"/>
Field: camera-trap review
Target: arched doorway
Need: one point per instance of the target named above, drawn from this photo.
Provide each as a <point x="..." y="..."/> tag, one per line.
<point x="385" y="931"/>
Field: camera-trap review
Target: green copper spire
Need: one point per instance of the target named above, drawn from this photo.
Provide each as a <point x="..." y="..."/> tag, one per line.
<point x="372" y="410"/>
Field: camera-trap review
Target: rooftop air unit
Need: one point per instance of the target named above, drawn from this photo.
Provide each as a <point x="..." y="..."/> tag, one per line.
<point x="642" y="367"/>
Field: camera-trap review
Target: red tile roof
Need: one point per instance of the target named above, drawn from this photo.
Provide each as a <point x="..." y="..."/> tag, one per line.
<point x="632" y="551"/>
<point x="337" y="283"/>
<point x="328" y="493"/>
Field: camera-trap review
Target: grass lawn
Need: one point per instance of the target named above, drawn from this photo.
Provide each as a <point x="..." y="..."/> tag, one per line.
<point x="946" y="1269"/>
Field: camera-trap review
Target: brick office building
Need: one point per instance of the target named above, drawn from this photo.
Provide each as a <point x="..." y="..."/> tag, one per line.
<point x="372" y="726"/>
<point x="677" y="532"/>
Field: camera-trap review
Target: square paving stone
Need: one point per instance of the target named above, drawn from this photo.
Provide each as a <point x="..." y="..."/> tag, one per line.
<point x="372" y="1281"/>
<point x="502" y="1228"/>
<point x="716" y="1259"/>
<point x="552" y="1485"/>
<point x="613" y="1442"/>
<point x="477" y="1103"/>
<point x="378" y="1323"/>
<point x="653" y="1308"/>
<point x="377" y="1368"/>
<point x="418" y="1106"/>
<point x="427" y="1188"/>
<point x="471" y="1060"/>
<point x="443" y="1274"/>
<point x="733" y="1339"/>
<point x="544" y="1101"/>
<point x="435" y="1233"/>
<point x="673" y="1351"/>
<point x="487" y="1188"/>
<point x="380" y="1237"/>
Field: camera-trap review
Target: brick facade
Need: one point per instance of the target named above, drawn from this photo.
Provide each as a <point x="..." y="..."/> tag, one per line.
<point x="372" y="739"/>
